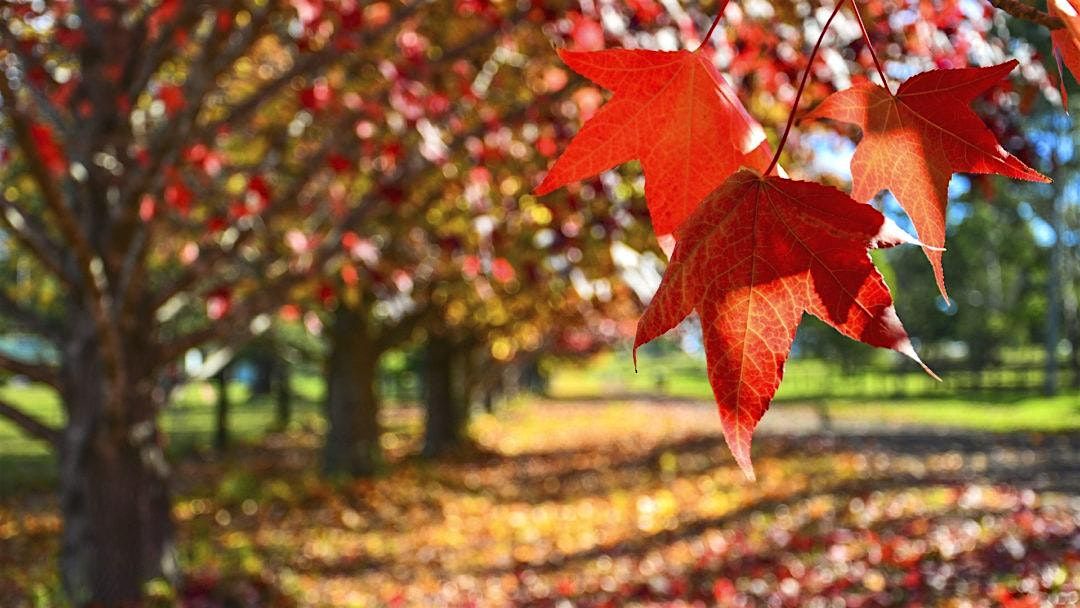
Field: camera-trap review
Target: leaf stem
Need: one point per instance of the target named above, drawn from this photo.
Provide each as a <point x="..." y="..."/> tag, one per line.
<point x="716" y="22"/>
<point x="802" y="86"/>
<point x="870" y="45"/>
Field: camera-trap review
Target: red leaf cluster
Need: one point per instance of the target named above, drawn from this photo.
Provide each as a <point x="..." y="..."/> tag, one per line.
<point x="756" y="251"/>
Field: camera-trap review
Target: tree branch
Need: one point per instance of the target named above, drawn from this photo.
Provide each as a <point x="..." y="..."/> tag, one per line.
<point x="132" y="241"/>
<point x="30" y="425"/>
<point x="38" y="372"/>
<point x="147" y="62"/>
<point x="283" y="200"/>
<point x="204" y="265"/>
<point x="27" y="319"/>
<point x="47" y="183"/>
<point x="235" y="327"/>
<point x="311" y="64"/>
<point x="394" y="335"/>
<point x="29" y="63"/>
<point x="1018" y="9"/>
<point x="93" y="284"/>
<point x="24" y="228"/>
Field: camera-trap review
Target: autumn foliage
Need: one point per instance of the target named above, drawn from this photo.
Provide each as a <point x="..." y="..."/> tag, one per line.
<point x="757" y="253"/>
<point x="756" y="250"/>
<point x="671" y="111"/>
<point x="184" y="175"/>
<point x="915" y="140"/>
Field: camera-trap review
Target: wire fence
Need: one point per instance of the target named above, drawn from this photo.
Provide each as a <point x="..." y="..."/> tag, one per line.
<point x="906" y="382"/>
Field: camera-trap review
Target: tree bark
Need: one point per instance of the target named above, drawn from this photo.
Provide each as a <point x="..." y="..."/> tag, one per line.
<point x="533" y="378"/>
<point x="283" y="398"/>
<point x="115" y="501"/>
<point x="221" y="434"/>
<point x="1055" y="289"/>
<point x="447" y="412"/>
<point x="265" y="366"/>
<point x="1075" y="341"/>
<point x="1072" y="323"/>
<point x="352" y="404"/>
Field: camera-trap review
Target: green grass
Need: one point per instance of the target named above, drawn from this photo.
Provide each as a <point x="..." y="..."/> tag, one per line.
<point x="1060" y="413"/>
<point x="908" y="396"/>
<point x="675" y="374"/>
<point x="189" y="423"/>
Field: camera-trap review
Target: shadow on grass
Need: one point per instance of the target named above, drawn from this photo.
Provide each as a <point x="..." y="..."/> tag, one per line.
<point x="973" y="571"/>
<point x="1040" y="461"/>
<point x="189" y="432"/>
<point x="987" y="397"/>
<point x="26" y="473"/>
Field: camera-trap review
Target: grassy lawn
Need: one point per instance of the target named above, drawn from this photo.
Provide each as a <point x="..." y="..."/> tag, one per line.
<point x="867" y="397"/>
<point x="1060" y="413"/>
<point x="905" y="397"/>
<point x="189" y="422"/>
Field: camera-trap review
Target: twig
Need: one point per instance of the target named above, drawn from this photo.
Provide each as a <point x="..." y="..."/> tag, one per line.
<point x="29" y="424"/>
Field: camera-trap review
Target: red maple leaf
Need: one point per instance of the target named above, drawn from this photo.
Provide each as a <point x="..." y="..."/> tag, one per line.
<point x="673" y="112"/>
<point x="915" y="140"/>
<point x="756" y="255"/>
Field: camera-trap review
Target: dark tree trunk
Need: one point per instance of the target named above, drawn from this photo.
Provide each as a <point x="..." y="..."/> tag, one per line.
<point x="1054" y="296"/>
<point x="265" y="367"/>
<point x="115" y="500"/>
<point x="486" y="378"/>
<point x="447" y="412"/>
<point x="221" y="434"/>
<point x="352" y="405"/>
<point x="283" y="401"/>
<point x="1072" y="333"/>
<point x="1076" y="359"/>
<point x="533" y="378"/>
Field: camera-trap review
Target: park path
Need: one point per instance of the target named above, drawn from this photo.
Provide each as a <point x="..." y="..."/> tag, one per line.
<point x="1035" y="460"/>
<point x="1044" y="461"/>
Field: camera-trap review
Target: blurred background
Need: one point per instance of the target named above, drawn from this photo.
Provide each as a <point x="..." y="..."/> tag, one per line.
<point x="281" y="323"/>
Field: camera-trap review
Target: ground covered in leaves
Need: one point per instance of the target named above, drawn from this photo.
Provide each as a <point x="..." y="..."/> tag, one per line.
<point x="597" y="504"/>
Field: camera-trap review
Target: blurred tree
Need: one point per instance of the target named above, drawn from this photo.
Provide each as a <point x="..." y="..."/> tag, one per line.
<point x="170" y="172"/>
<point x="995" y="274"/>
<point x="221" y="420"/>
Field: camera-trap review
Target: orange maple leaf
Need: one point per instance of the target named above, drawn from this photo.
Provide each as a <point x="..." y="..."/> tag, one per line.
<point x="915" y="140"/>
<point x="756" y="255"/>
<point x="1066" y="40"/>
<point x="674" y="113"/>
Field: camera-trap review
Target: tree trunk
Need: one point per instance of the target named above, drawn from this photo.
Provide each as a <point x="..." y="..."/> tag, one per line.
<point x="265" y="368"/>
<point x="445" y="405"/>
<point x="487" y="378"/>
<point x="283" y="401"/>
<point x="533" y="378"/>
<point x="1055" y="289"/>
<point x="352" y="405"/>
<point x="115" y="502"/>
<point x="1072" y="324"/>
<point x="221" y="434"/>
<point x="1076" y="355"/>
